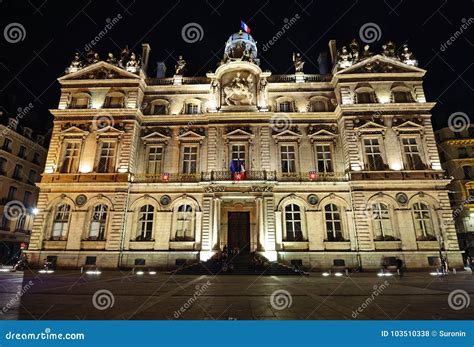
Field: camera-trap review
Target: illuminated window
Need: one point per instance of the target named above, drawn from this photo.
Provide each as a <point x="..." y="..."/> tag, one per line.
<point x="238" y="154"/>
<point x="70" y="162"/>
<point x="61" y="222"/>
<point x="373" y="155"/>
<point x="423" y="222"/>
<point x="80" y="101"/>
<point x="145" y="223"/>
<point x="192" y="108"/>
<point x="324" y="158"/>
<point x="293" y="223"/>
<point x="401" y="96"/>
<point x="333" y="223"/>
<point x="365" y="97"/>
<point x="98" y="223"/>
<point x="381" y="222"/>
<point x="184" y="225"/>
<point x="288" y="158"/>
<point x="190" y="159"/>
<point x="155" y="157"/>
<point x="411" y="154"/>
<point x="107" y="153"/>
<point x="285" y="106"/>
<point x="114" y="100"/>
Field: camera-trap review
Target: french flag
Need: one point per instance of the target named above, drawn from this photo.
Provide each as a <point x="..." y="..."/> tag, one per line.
<point x="245" y="27"/>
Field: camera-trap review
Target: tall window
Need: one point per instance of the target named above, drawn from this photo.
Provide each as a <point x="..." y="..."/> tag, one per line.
<point x="27" y="198"/>
<point x="192" y="108"/>
<point x="20" y="223"/>
<point x="22" y="151"/>
<point x="7" y="145"/>
<point x="381" y="222"/>
<point x="61" y="222"/>
<point x="333" y="223"/>
<point x="17" y="172"/>
<point x="411" y="154"/>
<point x="107" y="157"/>
<point x="70" y="161"/>
<point x="189" y="159"/>
<point x="423" y="222"/>
<point x="293" y="223"/>
<point x="373" y="155"/>
<point x="285" y="106"/>
<point x="36" y="158"/>
<point x="288" y="158"/>
<point x="11" y="193"/>
<point x="155" y="157"/>
<point x="3" y="166"/>
<point x="98" y="222"/>
<point x="238" y="153"/>
<point x="184" y="226"/>
<point x="32" y="176"/>
<point x="145" y="223"/>
<point x="324" y="158"/>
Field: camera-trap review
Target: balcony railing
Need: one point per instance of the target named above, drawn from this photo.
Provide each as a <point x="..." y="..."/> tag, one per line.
<point x="251" y="175"/>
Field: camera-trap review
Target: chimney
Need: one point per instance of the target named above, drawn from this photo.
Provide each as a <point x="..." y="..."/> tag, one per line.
<point x="145" y="55"/>
<point x="333" y="51"/>
<point x="160" y="69"/>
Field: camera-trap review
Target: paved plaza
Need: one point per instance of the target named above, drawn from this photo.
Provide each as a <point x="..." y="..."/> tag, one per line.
<point x="122" y="295"/>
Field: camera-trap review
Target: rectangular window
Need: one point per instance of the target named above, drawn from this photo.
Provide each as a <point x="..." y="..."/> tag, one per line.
<point x="107" y="157"/>
<point x="70" y="161"/>
<point x="7" y="145"/>
<point x="3" y="166"/>
<point x="27" y="198"/>
<point x="412" y="155"/>
<point x="80" y="102"/>
<point x="159" y="109"/>
<point x="184" y="226"/>
<point x="17" y="173"/>
<point x="113" y="102"/>
<point x="285" y="106"/>
<point x="36" y="158"/>
<point x="190" y="159"/>
<point x="365" y="98"/>
<point x="373" y="155"/>
<point x="288" y="158"/>
<point x="238" y="153"/>
<point x="155" y="157"/>
<point x="192" y="108"/>
<point x="12" y="193"/>
<point x="32" y="176"/>
<point x="22" y="151"/>
<point x="324" y="158"/>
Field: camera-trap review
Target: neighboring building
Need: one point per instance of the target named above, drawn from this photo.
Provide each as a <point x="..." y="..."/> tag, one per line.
<point x="22" y="159"/>
<point x="340" y="169"/>
<point x="457" y="158"/>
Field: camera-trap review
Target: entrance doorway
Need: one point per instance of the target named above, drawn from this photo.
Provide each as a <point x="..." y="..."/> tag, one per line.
<point x="238" y="224"/>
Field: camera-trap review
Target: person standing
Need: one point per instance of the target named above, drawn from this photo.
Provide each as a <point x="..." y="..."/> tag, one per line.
<point x="400" y="267"/>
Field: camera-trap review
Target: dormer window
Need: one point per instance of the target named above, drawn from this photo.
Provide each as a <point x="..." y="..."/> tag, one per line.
<point x="401" y="96"/>
<point x="114" y="100"/>
<point x="159" y="109"/>
<point x="192" y="108"/>
<point x="365" y="97"/>
<point x="285" y="106"/>
<point x="80" y="101"/>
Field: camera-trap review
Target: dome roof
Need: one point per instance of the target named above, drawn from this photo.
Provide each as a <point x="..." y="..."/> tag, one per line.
<point x="238" y="43"/>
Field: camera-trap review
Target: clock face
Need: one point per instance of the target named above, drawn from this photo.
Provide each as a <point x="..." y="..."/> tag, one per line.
<point x="312" y="199"/>
<point x="81" y="199"/>
<point x="402" y="198"/>
<point x="165" y="200"/>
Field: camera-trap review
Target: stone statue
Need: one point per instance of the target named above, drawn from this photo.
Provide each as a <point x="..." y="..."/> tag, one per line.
<point x="388" y="50"/>
<point x="354" y="51"/>
<point x="133" y="63"/>
<point x="76" y="64"/>
<point x="263" y="92"/>
<point x="407" y="57"/>
<point x="344" y="58"/>
<point x="298" y="62"/>
<point x="366" y="53"/>
<point x="180" y="66"/>
<point x="92" y="57"/>
<point x="111" y="59"/>
<point x="239" y="91"/>
<point x="247" y="56"/>
<point x="124" y="57"/>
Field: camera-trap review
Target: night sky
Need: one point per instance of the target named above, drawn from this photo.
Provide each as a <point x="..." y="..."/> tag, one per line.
<point x="55" y="30"/>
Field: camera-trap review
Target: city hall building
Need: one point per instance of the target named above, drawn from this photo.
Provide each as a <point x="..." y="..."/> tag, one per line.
<point x="323" y="170"/>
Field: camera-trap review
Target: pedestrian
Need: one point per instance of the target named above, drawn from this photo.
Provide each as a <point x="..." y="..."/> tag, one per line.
<point x="383" y="264"/>
<point x="400" y="267"/>
<point x="471" y="264"/>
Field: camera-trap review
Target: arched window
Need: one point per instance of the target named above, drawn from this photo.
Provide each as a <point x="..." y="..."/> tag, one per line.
<point x="333" y="223"/>
<point x="114" y="100"/>
<point x="192" y="108"/>
<point x="285" y="106"/>
<point x="80" y="100"/>
<point x="159" y="106"/>
<point x="401" y="96"/>
<point x="381" y="222"/>
<point x="145" y="223"/>
<point x="98" y="223"/>
<point x="185" y="225"/>
<point x="365" y="95"/>
<point x="423" y="223"/>
<point x="318" y="106"/>
<point x="293" y="223"/>
<point x="61" y="222"/>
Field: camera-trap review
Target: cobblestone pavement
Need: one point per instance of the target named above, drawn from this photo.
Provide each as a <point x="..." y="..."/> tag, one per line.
<point x="120" y="295"/>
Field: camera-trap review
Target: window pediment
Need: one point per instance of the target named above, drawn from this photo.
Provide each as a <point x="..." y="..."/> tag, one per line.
<point x="109" y="131"/>
<point x="322" y="135"/>
<point x="155" y="137"/>
<point x="74" y="132"/>
<point x="190" y="136"/>
<point x="287" y="135"/>
<point x="238" y="135"/>
<point x="409" y="127"/>
<point x="371" y="127"/>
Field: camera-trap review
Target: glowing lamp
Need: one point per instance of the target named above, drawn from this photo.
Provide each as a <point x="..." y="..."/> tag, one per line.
<point x="165" y="177"/>
<point x="313" y="175"/>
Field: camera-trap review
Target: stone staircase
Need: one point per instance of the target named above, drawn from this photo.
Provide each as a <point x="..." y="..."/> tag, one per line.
<point x="241" y="265"/>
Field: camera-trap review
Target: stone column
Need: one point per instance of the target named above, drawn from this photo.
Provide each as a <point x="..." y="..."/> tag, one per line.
<point x="260" y="225"/>
<point x="216" y="224"/>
